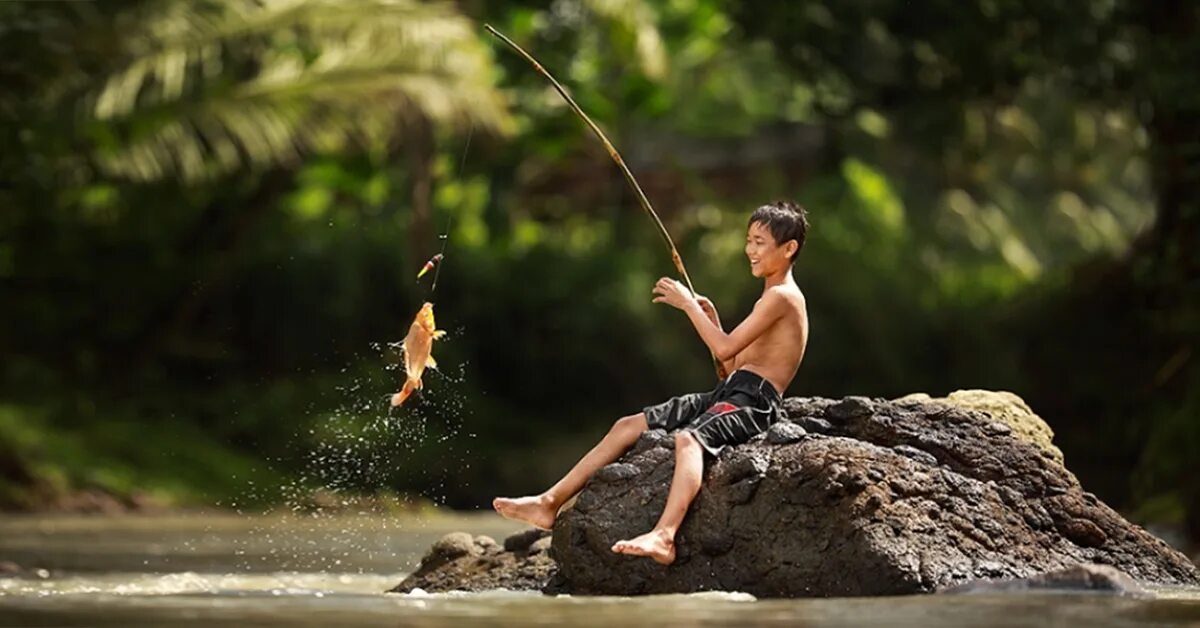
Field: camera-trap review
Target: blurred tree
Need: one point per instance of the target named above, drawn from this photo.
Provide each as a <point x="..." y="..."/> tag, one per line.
<point x="1131" y="326"/>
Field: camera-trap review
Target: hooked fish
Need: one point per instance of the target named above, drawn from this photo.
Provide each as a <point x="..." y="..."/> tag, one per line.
<point x="418" y="348"/>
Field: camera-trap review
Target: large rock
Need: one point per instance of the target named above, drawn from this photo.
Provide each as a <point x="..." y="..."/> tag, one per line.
<point x="859" y="497"/>
<point x="460" y="562"/>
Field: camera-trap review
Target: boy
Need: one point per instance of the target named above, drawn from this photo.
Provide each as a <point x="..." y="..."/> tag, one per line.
<point x="761" y="355"/>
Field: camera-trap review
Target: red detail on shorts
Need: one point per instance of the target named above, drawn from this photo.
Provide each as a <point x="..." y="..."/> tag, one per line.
<point x="721" y="407"/>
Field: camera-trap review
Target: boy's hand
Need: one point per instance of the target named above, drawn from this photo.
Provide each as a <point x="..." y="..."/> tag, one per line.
<point x="673" y="293"/>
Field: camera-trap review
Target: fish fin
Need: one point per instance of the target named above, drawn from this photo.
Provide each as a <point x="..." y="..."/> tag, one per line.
<point x="438" y="334"/>
<point x="430" y="362"/>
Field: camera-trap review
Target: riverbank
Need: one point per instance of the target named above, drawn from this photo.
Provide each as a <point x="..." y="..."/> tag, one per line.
<point x="115" y="465"/>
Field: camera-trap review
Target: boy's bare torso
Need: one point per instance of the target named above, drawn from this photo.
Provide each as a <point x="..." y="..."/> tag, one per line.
<point x="776" y="354"/>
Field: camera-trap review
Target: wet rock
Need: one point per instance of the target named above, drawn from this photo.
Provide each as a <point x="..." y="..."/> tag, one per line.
<point x="785" y="432"/>
<point x="9" y="568"/>
<point x="742" y="475"/>
<point x="616" y="472"/>
<point x="454" y="545"/>
<point x="799" y="407"/>
<point x="913" y="453"/>
<point x="458" y="562"/>
<point x="861" y="497"/>
<point x="894" y="497"/>
<point x="522" y="540"/>
<point x="541" y="545"/>
<point x="814" y="425"/>
<point x="850" y="408"/>
<point x="1082" y="532"/>
<point x="1084" y="577"/>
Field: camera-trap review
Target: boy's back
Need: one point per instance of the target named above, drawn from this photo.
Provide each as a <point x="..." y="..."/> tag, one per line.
<point x="777" y="352"/>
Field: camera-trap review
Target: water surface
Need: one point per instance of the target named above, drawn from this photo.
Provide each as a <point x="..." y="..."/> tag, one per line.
<point x="205" y="570"/>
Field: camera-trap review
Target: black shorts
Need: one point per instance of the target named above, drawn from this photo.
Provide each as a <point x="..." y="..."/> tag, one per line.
<point x="743" y="405"/>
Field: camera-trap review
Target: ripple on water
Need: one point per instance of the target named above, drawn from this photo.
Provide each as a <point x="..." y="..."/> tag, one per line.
<point x="319" y="599"/>
<point x="192" y="583"/>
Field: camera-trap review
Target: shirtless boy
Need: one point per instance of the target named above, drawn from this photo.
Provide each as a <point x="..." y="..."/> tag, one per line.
<point x="762" y="355"/>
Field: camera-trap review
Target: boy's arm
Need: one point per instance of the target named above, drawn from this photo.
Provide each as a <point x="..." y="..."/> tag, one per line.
<point x="724" y="346"/>
<point x="710" y="310"/>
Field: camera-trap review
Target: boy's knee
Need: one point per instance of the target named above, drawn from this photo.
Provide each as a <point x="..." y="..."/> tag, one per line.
<point x="686" y="440"/>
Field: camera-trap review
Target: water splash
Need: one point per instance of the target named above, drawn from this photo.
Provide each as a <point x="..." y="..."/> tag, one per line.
<point x="354" y="456"/>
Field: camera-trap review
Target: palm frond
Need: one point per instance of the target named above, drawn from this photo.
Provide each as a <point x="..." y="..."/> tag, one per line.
<point x="209" y="88"/>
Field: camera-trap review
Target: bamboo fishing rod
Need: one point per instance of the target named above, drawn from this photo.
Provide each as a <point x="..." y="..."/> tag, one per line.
<point x="616" y="157"/>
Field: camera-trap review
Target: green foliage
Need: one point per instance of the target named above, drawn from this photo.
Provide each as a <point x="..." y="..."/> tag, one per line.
<point x="123" y="455"/>
<point x="214" y="213"/>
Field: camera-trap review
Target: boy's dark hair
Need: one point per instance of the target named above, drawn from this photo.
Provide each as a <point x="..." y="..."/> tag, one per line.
<point x="785" y="220"/>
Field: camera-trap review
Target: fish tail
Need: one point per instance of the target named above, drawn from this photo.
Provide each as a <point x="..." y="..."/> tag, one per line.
<point x="409" y="386"/>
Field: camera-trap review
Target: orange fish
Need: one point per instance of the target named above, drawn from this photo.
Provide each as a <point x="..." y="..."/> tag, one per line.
<point x="418" y="348"/>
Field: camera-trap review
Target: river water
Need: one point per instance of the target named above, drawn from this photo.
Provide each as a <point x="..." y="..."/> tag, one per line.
<point x="205" y="570"/>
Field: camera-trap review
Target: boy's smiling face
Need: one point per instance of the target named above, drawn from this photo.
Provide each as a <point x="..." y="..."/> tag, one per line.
<point x="766" y="256"/>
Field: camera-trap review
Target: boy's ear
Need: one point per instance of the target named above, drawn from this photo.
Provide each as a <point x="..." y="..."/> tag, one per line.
<point x="791" y="247"/>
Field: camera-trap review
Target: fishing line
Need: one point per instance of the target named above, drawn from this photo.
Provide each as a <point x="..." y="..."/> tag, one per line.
<point x="616" y="157"/>
<point x="445" y="237"/>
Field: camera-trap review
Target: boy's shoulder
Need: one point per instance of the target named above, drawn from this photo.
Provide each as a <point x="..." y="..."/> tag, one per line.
<point x="786" y="292"/>
<point x="788" y="302"/>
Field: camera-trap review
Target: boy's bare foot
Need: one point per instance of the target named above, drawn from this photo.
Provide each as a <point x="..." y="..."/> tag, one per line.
<point x="656" y="544"/>
<point x="536" y="510"/>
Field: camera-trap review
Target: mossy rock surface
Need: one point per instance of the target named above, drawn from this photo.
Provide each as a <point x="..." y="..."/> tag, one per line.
<point x="1002" y="406"/>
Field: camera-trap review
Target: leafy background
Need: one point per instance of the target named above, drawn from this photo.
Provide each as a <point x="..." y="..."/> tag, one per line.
<point x="211" y="214"/>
